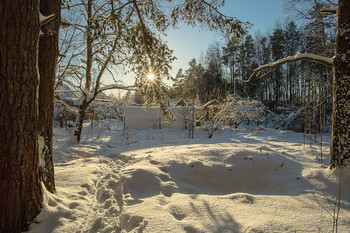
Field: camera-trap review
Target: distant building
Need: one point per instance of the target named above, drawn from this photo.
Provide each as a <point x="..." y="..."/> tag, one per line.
<point x="178" y="102"/>
<point x="208" y="110"/>
<point x="140" y="118"/>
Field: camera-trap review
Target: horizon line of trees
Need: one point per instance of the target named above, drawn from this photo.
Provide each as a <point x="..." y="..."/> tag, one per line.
<point x="304" y="85"/>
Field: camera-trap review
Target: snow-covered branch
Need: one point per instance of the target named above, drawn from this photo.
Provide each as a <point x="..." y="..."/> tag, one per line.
<point x="300" y="57"/>
<point x="329" y="11"/>
<point x="68" y="107"/>
<point x="65" y="22"/>
<point x="103" y="100"/>
<point x="117" y="86"/>
<point x="45" y="19"/>
<point x="65" y="91"/>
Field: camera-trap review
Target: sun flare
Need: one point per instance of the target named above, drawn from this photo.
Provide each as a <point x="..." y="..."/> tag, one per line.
<point x="150" y="76"/>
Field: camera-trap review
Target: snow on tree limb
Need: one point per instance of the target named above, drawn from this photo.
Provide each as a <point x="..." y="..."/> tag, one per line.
<point x="299" y="57"/>
<point x="65" y="91"/>
<point x="116" y="86"/>
<point x="329" y="11"/>
<point x="65" y="22"/>
<point x="45" y="19"/>
<point x="67" y="106"/>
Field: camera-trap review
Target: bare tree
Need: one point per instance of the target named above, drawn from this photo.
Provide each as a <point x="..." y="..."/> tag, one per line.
<point x="102" y="30"/>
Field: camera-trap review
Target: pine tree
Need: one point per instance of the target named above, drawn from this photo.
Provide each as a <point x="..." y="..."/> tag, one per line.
<point x="230" y="51"/>
<point x="20" y="188"/>
<point x="212" y="84"/>
<point x="340" y="145"/>
<point x="263" y="56"/>
<point x="291" y="47"/>
<point x="277" y="49"/>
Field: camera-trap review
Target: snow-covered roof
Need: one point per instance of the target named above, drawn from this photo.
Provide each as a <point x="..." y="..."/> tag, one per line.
<point x="211" y="102"/>
<point x="178" y="102"/>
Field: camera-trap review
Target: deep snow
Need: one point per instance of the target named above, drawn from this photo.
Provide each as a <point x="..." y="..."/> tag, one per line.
<point x="261" y="180"/>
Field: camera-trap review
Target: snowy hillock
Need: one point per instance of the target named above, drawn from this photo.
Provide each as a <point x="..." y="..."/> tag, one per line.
<point x="160" y="181"/>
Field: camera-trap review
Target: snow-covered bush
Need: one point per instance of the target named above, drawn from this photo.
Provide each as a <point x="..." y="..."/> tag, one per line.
<point x="108" y="110"/>
<point x="235" y="110"/>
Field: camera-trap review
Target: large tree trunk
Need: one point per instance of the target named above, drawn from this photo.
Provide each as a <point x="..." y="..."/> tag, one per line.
<point x="20" y="187"/>
<point x="48" y="53"/>
<point x="340" y="147"/>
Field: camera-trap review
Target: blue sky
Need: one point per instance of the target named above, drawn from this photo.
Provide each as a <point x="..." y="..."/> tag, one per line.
<point x="188" y="42"/>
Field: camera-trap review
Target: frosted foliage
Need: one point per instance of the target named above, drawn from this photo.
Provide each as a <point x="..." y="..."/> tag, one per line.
<point x="108" y="110"/>
<point x="235" y="110"/>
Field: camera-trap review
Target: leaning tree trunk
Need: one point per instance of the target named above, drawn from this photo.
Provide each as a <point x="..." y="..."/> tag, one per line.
<point x="340" y="146"/>
<point x="20" y="187"/>
<point x="79" y="122"/>
<point x="48" y="53"/>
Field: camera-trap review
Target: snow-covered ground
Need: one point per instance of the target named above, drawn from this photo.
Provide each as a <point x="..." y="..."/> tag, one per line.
<point x="261" y="180"/>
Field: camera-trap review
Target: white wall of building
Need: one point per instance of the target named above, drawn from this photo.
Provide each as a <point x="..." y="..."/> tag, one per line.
<point x="140" y="118"/>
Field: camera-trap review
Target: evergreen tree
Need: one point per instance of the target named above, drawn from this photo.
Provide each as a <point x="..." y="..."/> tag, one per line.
<point x="229" y="54"/>
<point x="263" y="56"/>
<point x="245" y="64"/>
<point x="250" y="64"/>
<point x="21" y="192"/>
<point x="176" y="90"/>
<point x="340" y="145"/>
<point x="212" y="84"/>
<point x="187" y="85"/>
<point x="277" y="50"/>
<point x="291" y="47"/>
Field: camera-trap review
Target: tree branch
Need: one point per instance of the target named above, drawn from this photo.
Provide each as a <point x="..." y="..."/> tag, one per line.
<point x="117" y="86"/>
<point x="45" y="19"/>
<point x="328" y="11"/>
<point x="300" y="57"/>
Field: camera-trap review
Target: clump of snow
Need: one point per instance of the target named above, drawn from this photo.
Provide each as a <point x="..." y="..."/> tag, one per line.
<point x="160" y="181"/>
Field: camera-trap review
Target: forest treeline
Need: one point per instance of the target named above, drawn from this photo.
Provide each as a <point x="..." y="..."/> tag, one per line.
<point x="301" y="85"/>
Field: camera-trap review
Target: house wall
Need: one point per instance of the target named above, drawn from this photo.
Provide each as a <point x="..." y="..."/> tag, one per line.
<point x="140" y="118"/>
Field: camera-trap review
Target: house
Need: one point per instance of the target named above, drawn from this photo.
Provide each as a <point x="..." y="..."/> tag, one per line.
<point x="178" y="102"/>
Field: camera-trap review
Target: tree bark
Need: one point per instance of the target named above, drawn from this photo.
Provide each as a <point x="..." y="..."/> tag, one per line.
<point x="20" y="187"/>
<point x="340" y="145"/>
<point x="89" y="41"/>
<point x="48" y="53"/>
<point x="82" y="108"/>
<point x="79" y="122"/>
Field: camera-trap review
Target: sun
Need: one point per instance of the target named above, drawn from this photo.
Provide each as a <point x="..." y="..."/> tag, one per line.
<point x="150" y="77"/>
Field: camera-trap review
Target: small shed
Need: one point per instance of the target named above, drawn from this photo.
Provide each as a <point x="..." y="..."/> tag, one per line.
<point x="208" y="110"/>
<point x="178" y="102"/>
